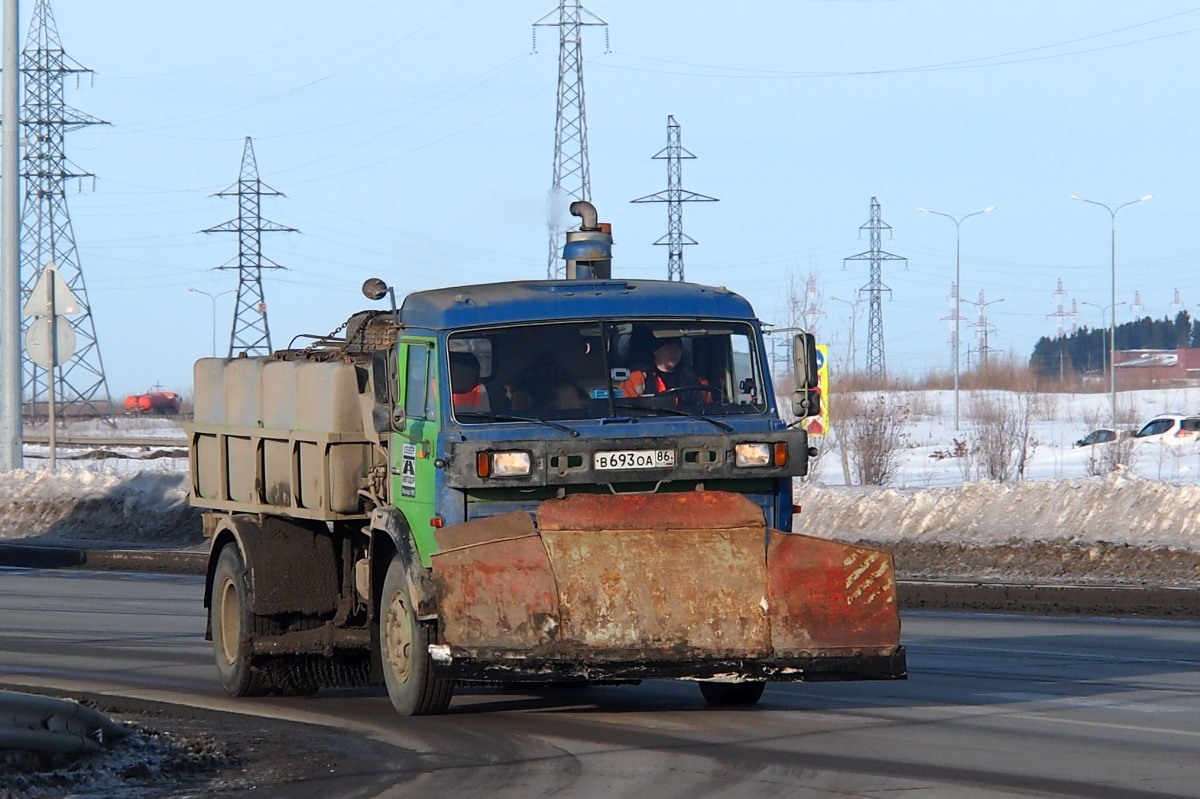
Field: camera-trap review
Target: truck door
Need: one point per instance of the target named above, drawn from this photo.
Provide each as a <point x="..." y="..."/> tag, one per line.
<point x="414" y="451"/>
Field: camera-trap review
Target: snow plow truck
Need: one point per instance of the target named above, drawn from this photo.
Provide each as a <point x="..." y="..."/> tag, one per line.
<point x="583" y="480"/>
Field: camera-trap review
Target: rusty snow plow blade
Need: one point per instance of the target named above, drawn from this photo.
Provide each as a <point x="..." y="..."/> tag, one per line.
<point x="687" y="585"/>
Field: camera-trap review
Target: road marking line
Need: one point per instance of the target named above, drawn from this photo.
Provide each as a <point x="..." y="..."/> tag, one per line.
<point x="1081" y="701"/>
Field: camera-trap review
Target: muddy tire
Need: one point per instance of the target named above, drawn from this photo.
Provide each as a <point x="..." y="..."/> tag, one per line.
<point x="731" y="694"/>
<point x="233" y="625"/>
<point x="404" y="649"/>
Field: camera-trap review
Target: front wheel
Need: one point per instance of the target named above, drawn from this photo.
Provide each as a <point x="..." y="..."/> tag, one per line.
<point x="404" y="650"/>
<point x="729" y="694"/>
<point x="232" y="625"/>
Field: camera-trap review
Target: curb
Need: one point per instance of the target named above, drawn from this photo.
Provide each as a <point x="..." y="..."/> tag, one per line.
<point x="150" y="561"/>
<point x="1150" y="602"/>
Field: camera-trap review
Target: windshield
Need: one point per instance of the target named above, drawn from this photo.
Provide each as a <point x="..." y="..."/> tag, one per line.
<point x="1157" y="427"/>
<point x="595" y="370"/>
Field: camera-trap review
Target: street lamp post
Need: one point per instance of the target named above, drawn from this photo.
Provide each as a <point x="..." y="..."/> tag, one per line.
<point x="957" y="292"/>
<point x="1112" y="361"/>
<point x="213" y="297"/>
<point x="1112" y="340"/>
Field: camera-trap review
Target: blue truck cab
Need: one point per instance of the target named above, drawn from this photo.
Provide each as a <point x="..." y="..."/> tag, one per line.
<point x="509" y="394"/>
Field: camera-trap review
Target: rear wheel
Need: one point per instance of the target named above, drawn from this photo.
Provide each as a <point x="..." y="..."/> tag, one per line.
<point x="232" y="626"/>
<point x="404" y="649"/>
<point x="728" y="694"/>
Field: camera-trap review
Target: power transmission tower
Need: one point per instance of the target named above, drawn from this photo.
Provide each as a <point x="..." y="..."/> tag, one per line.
<point x="675" y="196"/>
<point x="1176" y="305"/>
<point x="250" y="333"/>
<point x="811" y="312"/>
<point x="985" y="328"/>
<point x="953" y="316"/>
<point x="1137" y="308"/>
<point x="46" y="232"/>
<point x="1060" y="315"/>
<point x="875" y="288"/>
<point x="572" y="175"/>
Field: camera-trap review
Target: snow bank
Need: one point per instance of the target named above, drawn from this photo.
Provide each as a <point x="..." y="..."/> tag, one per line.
<point x="1119" y="509"/>
<point x="146" y="507"/>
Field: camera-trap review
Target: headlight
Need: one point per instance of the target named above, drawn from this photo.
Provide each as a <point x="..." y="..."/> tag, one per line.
<point x="752" y="455"/>
<point x="761" y="454"/>
<point x="503" y="464"/>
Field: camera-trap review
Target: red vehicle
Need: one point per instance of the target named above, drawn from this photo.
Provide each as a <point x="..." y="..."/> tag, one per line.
<point x="164" y="403"/>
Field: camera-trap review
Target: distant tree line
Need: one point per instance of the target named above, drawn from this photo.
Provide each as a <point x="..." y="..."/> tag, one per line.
<point x="1086" y="350"/>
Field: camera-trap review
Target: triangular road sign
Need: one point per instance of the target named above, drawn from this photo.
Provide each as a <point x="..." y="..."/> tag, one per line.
<point x="39" y="302"/>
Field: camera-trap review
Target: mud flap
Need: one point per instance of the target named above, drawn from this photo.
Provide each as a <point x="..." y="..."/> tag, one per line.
<point x="685" y="585"/>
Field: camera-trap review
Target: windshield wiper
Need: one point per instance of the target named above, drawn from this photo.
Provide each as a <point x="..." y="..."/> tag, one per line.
<point x="503" y="417"/>
<point x="676" y="412"/>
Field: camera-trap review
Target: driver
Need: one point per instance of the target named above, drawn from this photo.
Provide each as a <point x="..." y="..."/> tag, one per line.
<point x="664" y="373"/>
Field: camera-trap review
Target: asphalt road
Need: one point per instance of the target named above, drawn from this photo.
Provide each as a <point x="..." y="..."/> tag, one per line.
<point x="994" y="706"/>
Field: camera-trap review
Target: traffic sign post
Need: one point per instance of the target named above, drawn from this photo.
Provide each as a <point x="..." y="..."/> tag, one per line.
<point x="48" y="342"/>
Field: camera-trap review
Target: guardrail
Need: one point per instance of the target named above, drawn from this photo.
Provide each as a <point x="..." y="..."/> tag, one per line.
<point x="106" y="441"/>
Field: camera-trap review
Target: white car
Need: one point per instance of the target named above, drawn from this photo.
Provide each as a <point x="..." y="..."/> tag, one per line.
<point x="1170" y="428"/>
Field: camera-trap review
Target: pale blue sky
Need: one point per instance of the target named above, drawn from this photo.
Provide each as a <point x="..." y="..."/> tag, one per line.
<point x="414" y="142"/>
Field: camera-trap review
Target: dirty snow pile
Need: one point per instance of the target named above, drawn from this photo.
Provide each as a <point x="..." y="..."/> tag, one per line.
<point x="1117" y="509"/>
<point x="1120" y="528"/>
<point x="145" y="507"/>
<point x="147" y="763"/>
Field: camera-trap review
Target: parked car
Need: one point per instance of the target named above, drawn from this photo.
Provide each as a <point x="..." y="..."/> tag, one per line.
<point x="1102" y="436"/>
<point x="1170" y="428"/>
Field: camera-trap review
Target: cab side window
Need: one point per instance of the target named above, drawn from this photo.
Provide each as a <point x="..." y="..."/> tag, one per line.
<point x="416" y="383"/>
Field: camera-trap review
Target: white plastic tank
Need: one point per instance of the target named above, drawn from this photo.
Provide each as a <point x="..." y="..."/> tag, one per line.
<point x="243" y="392"/>
<point x="279" y="395"/>
<point x="208" y="377"/>
<point x="327" y="398"/>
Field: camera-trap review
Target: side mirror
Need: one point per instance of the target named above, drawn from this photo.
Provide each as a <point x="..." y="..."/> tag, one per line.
<point x="381" y="419"/>
<point x="381" y="376"/>
<point x="806" y="402"/>
<point x="374" y="288"/>
<point x="804" y="361"/>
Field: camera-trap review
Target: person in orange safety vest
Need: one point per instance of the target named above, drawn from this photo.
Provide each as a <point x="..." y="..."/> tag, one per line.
<point x="464" y="383"/>
<point x="663" y="375"/>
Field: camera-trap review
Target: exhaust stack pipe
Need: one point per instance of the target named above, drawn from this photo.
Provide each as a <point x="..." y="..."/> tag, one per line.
<point x="588" y="251"/>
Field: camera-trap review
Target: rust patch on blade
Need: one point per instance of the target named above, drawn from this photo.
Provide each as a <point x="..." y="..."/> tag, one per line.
<point x="828" y="595"/>
<point x="693" y="510"/>
<point x="500" y="593"/>
<point x="495" y="528"/>
<point x="662" y="593"/>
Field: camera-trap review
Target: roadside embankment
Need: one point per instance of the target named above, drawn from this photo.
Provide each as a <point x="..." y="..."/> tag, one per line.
<point x="1113" y="530"/>
<point x="102" y="508"/>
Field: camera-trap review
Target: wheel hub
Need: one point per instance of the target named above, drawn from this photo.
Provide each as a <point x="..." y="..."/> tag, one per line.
<point x="231" y="622"/>
<point x="398" y="638"/>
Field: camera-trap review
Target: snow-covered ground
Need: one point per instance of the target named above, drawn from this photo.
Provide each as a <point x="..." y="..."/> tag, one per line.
<point x="1059" y="420"/>
<point x="1069" y="518"/>
<point x="115" y="458"/>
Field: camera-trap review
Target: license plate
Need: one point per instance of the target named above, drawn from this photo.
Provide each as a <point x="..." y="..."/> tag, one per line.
<point x="635" y="459"/>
